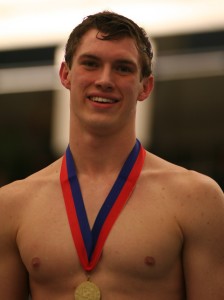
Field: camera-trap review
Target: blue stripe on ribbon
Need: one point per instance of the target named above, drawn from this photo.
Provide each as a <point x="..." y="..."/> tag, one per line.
<point x="114" y="193"/>
<point x="78" y="202"/>
<point x="90" y="237"/>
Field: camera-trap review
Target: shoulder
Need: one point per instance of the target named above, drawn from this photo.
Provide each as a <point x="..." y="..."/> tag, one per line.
<point x="188" y="191"/>
<point x="179" y="179"/>
<point x="39" y="178"/>
<point x="15" y="196"/>
<point x="195" y="201"/>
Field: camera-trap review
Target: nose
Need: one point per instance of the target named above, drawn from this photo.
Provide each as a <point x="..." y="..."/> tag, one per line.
<point x="104" y="79"/>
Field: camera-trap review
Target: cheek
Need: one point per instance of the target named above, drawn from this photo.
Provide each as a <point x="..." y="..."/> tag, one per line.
<point x="132" y="89"/>
<point x="80" y="80"/>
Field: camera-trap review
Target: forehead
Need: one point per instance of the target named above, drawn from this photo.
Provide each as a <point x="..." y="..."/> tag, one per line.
<point x="91" y="43"/>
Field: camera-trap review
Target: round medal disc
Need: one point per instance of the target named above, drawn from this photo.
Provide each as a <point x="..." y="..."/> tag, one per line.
<point x="87" y="290"/>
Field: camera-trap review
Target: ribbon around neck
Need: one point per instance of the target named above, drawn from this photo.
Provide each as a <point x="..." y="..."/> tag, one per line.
<point x="89" y="243"/>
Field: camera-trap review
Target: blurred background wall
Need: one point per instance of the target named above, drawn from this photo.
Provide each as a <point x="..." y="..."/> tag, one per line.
<point x="183" y="119"/>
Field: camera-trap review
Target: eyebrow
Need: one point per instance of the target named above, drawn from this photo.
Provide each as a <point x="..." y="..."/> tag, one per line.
<point x="90" y="56"/>
<point x="119" y="60"/>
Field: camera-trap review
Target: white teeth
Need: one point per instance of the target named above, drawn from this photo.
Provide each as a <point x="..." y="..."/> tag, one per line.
<point x="102" y="100"/>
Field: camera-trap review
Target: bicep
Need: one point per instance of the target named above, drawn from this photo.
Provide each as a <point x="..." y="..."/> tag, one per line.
<point x="14" y="279"/>
<point x="203" y="253"/>
<point x="13" y="275"/>
<point x="204" y="273"/>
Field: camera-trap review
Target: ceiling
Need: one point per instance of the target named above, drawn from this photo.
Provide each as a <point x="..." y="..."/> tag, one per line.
<point x="32" y="22"/>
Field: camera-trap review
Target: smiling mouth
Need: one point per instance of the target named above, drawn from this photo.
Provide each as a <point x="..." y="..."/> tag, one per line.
<point x="102" y="100"/>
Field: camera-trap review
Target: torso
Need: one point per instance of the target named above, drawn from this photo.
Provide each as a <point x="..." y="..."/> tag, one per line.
<point x="141" y="258"/>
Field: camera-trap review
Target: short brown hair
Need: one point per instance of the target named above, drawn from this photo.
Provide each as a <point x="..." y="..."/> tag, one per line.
<point x="114" y="26"/>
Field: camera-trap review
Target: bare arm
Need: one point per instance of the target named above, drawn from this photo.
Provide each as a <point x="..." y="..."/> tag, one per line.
<point x="203" y="229"/>
<point x="14" y="280"/>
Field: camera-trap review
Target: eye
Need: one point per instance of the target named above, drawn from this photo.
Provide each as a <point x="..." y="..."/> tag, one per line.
<point x="124" y="69"/>
<point x="89" y="64"/>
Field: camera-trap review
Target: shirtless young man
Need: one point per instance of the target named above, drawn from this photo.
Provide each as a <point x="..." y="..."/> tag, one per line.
<point x="166" y="243"/>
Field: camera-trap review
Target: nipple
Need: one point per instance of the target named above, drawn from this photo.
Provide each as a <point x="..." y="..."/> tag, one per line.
<point x="35" y="262"/>
<point x="150" y="261"/>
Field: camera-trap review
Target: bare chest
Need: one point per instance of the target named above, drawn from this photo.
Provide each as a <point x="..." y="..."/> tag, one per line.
<point x="143" y="242"/>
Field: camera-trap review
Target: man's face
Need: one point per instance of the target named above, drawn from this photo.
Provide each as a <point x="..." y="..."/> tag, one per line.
<point x="104" y="82"/>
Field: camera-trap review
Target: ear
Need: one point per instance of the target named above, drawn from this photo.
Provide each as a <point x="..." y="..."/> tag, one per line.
<point x="147" y="86"/>
<point x="64" y="74"/>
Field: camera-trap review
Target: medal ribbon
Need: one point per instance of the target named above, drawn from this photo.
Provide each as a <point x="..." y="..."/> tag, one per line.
<point x="89" y="243"/>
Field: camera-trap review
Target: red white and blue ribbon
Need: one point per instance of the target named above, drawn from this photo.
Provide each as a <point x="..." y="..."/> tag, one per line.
<point x="89" y="243"/>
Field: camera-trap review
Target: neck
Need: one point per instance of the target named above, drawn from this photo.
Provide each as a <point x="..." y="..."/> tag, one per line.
<point x="100" y="154"/>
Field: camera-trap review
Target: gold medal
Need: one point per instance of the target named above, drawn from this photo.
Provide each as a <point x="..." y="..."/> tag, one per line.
<point x="87" y="290"/>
